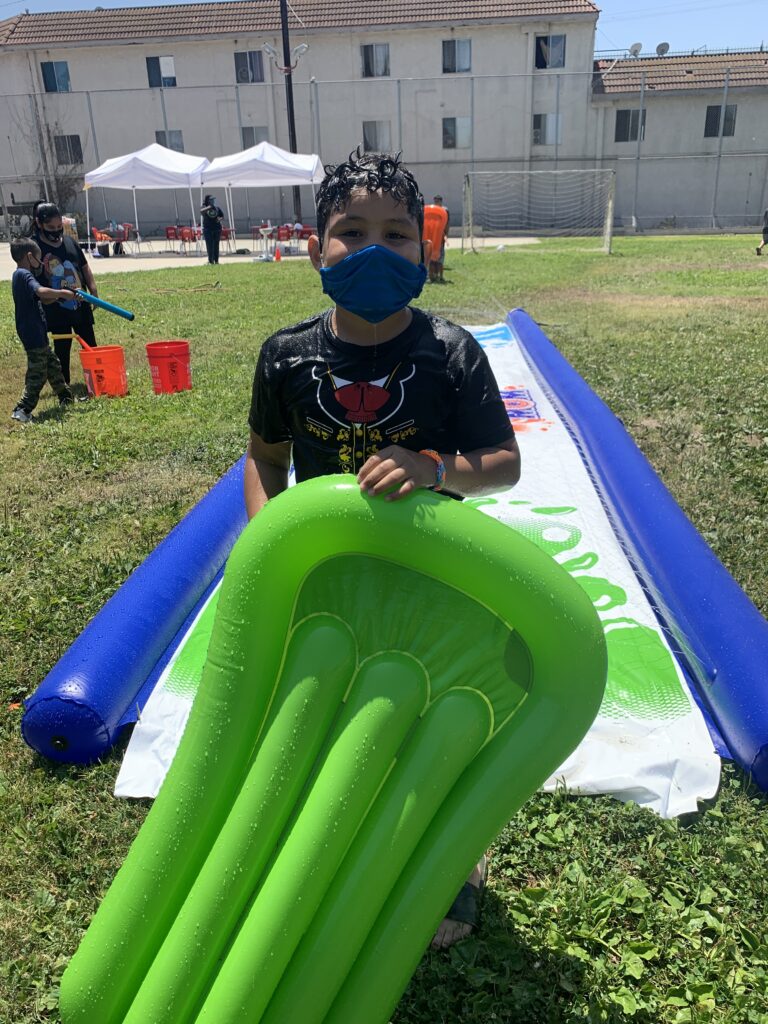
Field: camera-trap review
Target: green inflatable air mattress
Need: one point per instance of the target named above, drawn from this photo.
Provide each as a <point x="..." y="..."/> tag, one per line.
<point x="386" y="684"/>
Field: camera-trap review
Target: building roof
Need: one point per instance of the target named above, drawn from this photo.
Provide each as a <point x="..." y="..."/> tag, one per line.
<point x="747" y="70"/>
<point x="236" y="17"/>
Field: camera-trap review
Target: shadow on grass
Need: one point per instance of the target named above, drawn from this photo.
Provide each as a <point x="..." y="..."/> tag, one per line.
<point x="496" y="976"/>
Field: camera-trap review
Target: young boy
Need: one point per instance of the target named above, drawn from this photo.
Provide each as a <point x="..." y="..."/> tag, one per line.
<point x="42" y="363"/>
<point x="398" y="397"/>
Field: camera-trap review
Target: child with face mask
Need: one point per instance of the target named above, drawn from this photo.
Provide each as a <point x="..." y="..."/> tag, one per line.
<point x="42" y="363"/>
<point x="374" y="387"/>
<point x="64" y="266"/>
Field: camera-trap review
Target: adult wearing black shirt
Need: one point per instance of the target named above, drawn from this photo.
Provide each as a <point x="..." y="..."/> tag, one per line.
<point x="64" y="266"/>
<point x="212" y="217"/>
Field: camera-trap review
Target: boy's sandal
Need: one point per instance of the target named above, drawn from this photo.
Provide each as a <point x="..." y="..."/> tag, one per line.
<point x="466" y="906"/>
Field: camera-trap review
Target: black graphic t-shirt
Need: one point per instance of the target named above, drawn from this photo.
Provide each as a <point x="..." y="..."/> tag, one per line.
<point x="210" y="218"/>
<point x="339" y="403"/>
<point x="63" y="268"/>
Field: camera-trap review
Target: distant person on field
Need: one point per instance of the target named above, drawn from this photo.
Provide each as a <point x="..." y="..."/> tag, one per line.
<point x="759" y="249"/>
<point x="28" y="294"/>
<point x="436" y="222"/>
<point x="64" y="266"/>
<point x="213" y="217"/>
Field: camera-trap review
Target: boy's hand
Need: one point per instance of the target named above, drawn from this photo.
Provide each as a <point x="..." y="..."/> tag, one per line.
<point x="396" y="467"/>
<point x="66" y="293"/>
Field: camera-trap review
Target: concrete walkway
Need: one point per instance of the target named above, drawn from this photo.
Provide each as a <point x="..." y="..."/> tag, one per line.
<point x="155" y="255"/>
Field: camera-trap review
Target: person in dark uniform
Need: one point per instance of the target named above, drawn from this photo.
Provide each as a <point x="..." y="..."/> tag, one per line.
<point x="212" y="216"/>
<point x="64" y="266"/>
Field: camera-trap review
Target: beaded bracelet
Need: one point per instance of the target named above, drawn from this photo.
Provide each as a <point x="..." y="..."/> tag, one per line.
<point x="438" y="484"/>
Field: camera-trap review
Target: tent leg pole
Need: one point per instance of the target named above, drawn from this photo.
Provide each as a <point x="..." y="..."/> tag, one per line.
<point x="136" y="218"/>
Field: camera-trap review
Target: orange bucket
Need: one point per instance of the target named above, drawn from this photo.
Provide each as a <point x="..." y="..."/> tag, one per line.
<point x="104" y="370"/>
<point x="169" y="363"/>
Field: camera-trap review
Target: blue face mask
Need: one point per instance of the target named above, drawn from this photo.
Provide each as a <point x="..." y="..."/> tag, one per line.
<point x="373" y="283"/>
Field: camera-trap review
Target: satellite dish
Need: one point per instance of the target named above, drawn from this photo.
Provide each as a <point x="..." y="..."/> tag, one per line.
<point x="662" y="49"/>
<point x="635" y="49"/>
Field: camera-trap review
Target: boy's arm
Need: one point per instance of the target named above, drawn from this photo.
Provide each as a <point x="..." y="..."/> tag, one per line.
<point x="49" y="295"/>
<point x="266" y="472"/>
<point x="88" y="279"/>
<point x="478" y="472"/>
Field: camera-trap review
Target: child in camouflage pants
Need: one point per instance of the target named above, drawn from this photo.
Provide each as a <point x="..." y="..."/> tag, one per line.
<point x="42" y="364"/>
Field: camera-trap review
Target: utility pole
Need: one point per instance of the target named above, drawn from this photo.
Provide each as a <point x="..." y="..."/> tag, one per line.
<point x="288" y="72"/>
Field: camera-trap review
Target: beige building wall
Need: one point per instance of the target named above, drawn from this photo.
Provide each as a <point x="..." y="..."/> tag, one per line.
<point x="112" y="110"/>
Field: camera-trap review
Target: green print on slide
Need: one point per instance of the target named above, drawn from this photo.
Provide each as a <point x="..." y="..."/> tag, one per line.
<point x="642" y="679"/>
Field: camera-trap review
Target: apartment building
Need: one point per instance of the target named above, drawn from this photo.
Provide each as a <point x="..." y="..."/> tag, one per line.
<point x="457" y="85"/>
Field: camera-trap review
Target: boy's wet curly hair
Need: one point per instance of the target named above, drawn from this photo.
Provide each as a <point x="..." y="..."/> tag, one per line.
<point x="373" y="172"/>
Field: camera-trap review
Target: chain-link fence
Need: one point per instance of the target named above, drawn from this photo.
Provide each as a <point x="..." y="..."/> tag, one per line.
<point x="671" y="171"/>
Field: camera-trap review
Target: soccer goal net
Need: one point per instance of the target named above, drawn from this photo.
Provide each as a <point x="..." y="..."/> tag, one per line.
<point x="554" y="203"/>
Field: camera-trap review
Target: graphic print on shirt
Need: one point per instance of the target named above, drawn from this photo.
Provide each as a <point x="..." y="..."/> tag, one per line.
<point x="62" y="274"/>
<point x="358" y="411"/>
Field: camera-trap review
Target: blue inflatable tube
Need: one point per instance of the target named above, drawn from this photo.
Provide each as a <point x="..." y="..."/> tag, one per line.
<point x="712" y="624"/>
<point x="76" y="713"/>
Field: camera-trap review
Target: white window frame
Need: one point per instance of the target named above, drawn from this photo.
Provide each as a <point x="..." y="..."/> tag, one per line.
<point x="375" y="56"/>
<point x="636" y="124"/>
<point x="59" y="72"/>
<point x="459" y="53"/>
<point x="163" y="138"/>
<point x="255" y="133"/>
<point x="549" y="54"/>
<point x="461" y="132"/>
<point x="166" y="72"/>
<point x="251" y="69"/>
<point x="378" y="132"/>
<point x="69" y="150"/>
<point x="547" y="130"/>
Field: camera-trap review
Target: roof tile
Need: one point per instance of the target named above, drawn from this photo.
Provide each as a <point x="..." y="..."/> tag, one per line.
<point x="747" y="70"/>
<point x="244" y="16"/>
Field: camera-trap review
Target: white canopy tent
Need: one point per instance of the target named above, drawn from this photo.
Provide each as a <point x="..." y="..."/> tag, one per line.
<point x="262" y="166"/>
<point x="151" y="167"/>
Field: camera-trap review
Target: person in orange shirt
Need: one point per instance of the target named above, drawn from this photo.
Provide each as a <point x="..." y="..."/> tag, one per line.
<point x="436" y="222"/>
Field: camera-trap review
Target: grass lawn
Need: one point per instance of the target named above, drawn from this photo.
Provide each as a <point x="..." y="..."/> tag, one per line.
<point x="596" y="911"/>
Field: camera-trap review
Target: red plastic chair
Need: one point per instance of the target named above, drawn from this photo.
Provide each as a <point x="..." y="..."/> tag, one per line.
<point x="172" y="235"/>
<point x="187" y="236"/>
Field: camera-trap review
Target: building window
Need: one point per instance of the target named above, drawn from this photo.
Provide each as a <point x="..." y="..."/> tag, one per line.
<point x="55" y="75"/>
<point x="550" y="52"/>
<point x="161" y="72"/>
<point x="629" y="125"/>
<point x="377" y="136"/>
<point x="249" y="67"/>
<point x="253" y="135"/>
<point x="68" y="149"/>
<point x="712" y="121"/>
<point x="457" y="132"/>
<point x="457" y="55"/>
<point x="375" y="60"/>
<point x="171" y="140"/>
<point x="546" y="129"/>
